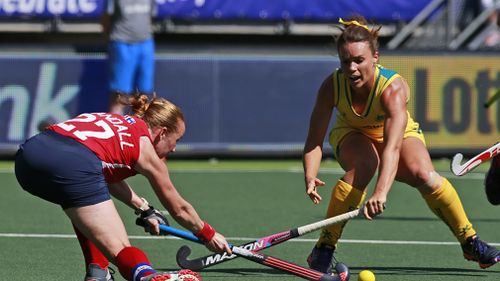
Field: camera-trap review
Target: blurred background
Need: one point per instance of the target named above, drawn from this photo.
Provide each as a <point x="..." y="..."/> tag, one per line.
<point x="246" y="72"/>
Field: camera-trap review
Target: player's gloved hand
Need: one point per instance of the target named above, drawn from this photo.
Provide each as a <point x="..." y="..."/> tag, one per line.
<point x="153" y="218"/>
<point x="213" y="240"/>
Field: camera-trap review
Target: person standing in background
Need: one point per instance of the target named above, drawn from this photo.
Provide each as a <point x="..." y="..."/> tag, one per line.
<point x="128" y="27"/>
<point x="489" y="32"/>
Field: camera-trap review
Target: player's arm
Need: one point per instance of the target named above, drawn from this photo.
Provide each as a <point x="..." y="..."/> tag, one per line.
<point x="155" y="170"/>
<point x="394" y="104"/>
<point x="313" y="148"/>
<point x="123" y="192"/>
<point x="105" y="19"/>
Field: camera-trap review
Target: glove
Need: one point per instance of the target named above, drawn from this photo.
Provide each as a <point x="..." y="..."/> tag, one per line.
<point x="152" y="213"/>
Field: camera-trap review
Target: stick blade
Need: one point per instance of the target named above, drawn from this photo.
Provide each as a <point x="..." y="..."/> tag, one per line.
<point x="456" y="166"/>
<point x="184" y="262"/>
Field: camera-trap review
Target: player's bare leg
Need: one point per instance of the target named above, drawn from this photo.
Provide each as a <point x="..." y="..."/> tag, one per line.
<point x="359" y="159"/>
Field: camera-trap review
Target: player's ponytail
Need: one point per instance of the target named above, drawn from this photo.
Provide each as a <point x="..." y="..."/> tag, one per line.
<point x="138" y="103"/>
<point x="157" y="112"/>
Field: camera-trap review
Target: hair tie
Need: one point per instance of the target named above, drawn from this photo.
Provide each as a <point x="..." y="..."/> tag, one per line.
<point x="355" y="22"/>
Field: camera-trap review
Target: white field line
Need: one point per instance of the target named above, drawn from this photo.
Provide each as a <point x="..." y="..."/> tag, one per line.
<point x="297" y="240"/>
<point x="336" y="171"/>
<point x="333" y="171"/>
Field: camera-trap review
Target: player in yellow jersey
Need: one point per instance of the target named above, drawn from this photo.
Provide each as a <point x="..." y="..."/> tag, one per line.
<point x="374" y="132"/>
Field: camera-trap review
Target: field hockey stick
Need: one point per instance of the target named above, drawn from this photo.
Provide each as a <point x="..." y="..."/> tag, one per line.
<point x="263" y="259"/>
<point x="461" y="169"/>
<point x="259" y="244"/>
<point x="492" y="99"/>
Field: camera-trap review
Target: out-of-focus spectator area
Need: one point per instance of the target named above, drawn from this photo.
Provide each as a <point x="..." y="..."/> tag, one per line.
<point x="420" y="24"/>
<point x="246" y="72"/>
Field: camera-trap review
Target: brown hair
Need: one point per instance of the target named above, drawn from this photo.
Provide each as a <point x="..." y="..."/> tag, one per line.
<point x="355" y="29"/>
<point x="157" y="112"/>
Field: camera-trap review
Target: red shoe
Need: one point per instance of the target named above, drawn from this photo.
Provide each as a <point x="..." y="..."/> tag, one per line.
<point x="183" y="275"/>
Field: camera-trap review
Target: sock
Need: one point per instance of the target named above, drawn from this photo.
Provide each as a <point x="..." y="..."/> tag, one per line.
<point x="344" y="198"/>
<point x="446" y="204"/>
<point x="90" y="252"/>
<point x="133" y="264"/>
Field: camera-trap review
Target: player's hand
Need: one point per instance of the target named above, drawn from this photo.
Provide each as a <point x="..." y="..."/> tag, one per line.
<point x="218" y="244"/>
<point x="374" y="206"/>
<point x="312" y="189"/>
<point x="153" y="219"/>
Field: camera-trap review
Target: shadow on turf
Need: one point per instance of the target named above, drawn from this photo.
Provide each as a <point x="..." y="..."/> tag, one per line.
<point x="238" y="271"/>
<point x="428" y="271"/>
<point x="390" y="271"/>
<point x="393" y="218"/>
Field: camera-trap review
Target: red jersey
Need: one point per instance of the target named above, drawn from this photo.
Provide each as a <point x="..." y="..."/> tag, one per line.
<point x="112" y="137"/>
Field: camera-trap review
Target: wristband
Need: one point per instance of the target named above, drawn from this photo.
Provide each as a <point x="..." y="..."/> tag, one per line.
<point x="147" y="213"/>
<point x="143" y="207"/>
<point x="206" y="233"/>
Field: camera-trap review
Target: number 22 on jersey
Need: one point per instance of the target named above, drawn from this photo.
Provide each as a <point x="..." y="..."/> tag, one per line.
<point x="95" y="129"/>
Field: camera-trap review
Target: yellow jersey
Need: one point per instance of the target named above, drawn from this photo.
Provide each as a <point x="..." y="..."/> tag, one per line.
<point x="370" y="122"/>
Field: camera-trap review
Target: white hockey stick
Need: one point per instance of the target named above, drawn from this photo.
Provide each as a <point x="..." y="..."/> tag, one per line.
<point x="270" y="261"/>
<point x="461" y="169"/>
<point x="261" y="243"/>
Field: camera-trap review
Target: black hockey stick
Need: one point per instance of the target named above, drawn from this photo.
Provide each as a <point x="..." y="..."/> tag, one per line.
<point x="259" y="244"/>
<point x="297" y="270"/>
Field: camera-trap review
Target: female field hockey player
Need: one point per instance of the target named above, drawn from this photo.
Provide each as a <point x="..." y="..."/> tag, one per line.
<point x="374" y="131"/>
<point x="77" y="164"/>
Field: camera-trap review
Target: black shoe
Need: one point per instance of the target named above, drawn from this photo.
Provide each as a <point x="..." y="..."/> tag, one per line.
<point x="320" y="259"/>
<point x="476" y="250"/>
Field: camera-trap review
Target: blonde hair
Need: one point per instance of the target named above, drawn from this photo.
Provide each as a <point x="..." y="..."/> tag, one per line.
<point x="157" y="112"/>
<point x="355" y="29"/>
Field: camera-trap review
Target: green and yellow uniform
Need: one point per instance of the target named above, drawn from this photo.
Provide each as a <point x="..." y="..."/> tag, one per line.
<point x="370" y="122"/>
<point x="444" y="202"/>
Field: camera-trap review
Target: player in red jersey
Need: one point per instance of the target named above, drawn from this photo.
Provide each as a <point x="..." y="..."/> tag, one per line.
<point x="79" y="163"/>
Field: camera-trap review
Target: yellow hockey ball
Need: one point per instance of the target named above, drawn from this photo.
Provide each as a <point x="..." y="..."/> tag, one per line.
<point x="366" y="275"/>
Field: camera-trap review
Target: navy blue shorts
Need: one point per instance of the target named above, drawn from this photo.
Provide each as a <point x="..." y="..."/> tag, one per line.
<point x="61" y="170"/>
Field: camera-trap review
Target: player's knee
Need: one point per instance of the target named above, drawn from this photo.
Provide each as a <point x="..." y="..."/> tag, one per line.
<point x="364" y="167"/>
<point x="431" y="179"/>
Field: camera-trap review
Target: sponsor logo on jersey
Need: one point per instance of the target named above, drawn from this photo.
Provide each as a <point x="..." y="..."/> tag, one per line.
<point x="130" y="119"/>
